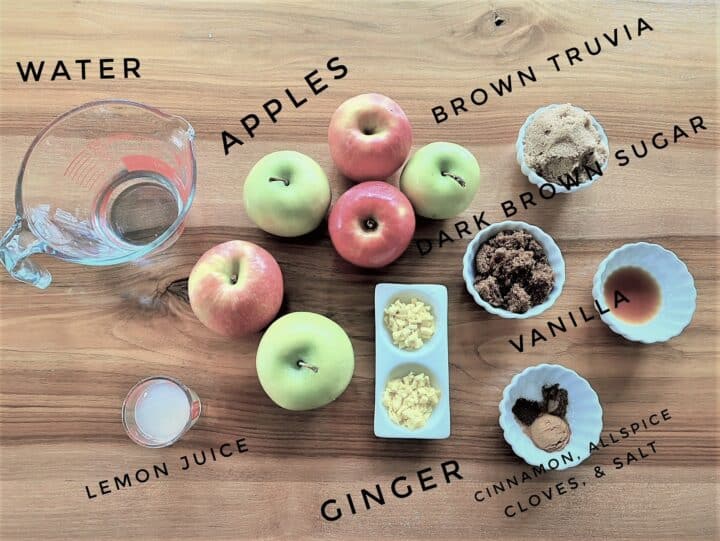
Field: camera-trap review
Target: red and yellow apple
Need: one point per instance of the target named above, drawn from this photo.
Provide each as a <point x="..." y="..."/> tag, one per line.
<point x="369" y="137"/>
<point x="371" y="224"/>
<point x="236" y="288"/>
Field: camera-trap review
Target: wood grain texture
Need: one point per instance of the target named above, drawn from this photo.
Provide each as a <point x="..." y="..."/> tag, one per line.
<point x="69" y="354"/>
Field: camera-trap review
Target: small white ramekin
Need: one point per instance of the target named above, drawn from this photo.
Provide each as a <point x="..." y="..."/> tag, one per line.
<point x="555" y="260"/>
<point x="584" y="415"/>
<point x="536" y="179"/>
<point x="677" y="289"/>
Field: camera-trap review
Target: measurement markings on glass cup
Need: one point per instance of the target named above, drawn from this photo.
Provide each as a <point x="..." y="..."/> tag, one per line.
<point x="88" y="166"/>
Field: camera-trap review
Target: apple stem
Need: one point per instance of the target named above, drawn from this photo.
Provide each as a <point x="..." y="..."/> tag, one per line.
<point x="456" y="178"/>
<point x="276" y="179"/>
<point x="303" y="364"/>
<point x="370" y="224"/>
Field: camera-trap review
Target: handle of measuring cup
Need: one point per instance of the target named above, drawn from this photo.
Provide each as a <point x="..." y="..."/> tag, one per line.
<point x="16" y="246"/>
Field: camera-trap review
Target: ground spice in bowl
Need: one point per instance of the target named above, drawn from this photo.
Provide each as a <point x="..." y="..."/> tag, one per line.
<point x="544" y="421"/>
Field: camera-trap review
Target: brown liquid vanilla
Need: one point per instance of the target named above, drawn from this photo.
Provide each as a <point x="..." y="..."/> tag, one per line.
<point x="641" y="290"/>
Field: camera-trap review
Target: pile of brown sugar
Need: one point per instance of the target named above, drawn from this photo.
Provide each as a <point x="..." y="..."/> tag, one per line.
<point x="563" y="141"/>
<point x="513" y="271"/>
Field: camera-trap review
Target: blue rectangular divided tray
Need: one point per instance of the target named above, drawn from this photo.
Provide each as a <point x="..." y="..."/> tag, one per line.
<point x="432" y="359"/>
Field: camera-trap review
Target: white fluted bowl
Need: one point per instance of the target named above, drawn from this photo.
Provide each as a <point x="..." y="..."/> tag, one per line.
<point x="536" y="179"/>
<point x="554" y="256"/>
<point x="584" y="415"/>
<point x="677" y="289"/>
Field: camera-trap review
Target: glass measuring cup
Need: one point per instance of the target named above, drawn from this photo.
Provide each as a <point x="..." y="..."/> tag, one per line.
<point x="159" y="410"/>
<point x="105" y="183"/>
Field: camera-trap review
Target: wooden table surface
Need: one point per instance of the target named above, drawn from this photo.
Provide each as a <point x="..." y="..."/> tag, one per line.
<point x="70" y="353"/>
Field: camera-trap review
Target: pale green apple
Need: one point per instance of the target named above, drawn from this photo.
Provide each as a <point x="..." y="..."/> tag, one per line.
<point x="440" y="180"/>
<point x="287" y="194"/>
<point x="304" y="361"/>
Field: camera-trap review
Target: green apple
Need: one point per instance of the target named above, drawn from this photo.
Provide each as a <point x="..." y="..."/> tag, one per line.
<point x="287" y="194"/>
<point x="440" y="180"/>
<point x="304" y="361"/>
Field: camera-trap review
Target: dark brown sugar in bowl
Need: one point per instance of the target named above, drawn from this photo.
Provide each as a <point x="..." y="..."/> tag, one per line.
<point x="512" y="271"/>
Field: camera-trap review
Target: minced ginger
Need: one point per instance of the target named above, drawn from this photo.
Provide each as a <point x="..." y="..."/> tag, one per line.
<point x="410" y="400"/>
<point x="411" y="324"/>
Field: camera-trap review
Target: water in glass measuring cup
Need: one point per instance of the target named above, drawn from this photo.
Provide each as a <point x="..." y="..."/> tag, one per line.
<point x="137" y="208"/>
<point x="105" y="183"/>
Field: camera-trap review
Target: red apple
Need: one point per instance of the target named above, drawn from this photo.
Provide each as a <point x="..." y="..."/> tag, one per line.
<point x="369" y="137"/>
<point x="372" y="224"/>
<point x="236" y="288"/>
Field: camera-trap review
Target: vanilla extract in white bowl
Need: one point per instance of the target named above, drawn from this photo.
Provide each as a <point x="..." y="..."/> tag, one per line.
<point x="649" y="291"/>
<point x="638" y="284"/>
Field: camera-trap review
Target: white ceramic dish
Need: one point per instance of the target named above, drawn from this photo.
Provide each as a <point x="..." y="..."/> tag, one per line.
<point x="677" y="287"/>
<point x="536" y="179"/>
<point x="555" y="259"/>
<point x="432" y="359"/>
<point x="584" y="415"/>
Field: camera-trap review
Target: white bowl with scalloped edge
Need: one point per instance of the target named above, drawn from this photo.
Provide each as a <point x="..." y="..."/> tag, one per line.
<point x="552" y="251"/>
<point x="536" y="179"/>
<point x="677" y="291"/>
<point x="584" y="415"/>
